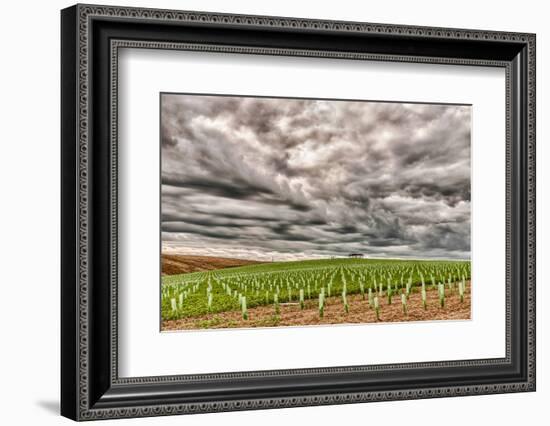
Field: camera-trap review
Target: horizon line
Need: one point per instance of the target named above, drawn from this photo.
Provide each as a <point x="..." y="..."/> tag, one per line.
<point x="322" y="258"/>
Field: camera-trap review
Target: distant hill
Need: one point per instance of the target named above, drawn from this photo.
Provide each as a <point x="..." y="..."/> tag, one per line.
<point x="173" y="264"/>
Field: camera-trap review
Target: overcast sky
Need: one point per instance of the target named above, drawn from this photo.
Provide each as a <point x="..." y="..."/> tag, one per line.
<point x="264" y="178"/>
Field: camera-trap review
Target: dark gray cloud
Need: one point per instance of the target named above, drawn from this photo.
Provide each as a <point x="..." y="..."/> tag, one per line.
<point x="293" y="178"/>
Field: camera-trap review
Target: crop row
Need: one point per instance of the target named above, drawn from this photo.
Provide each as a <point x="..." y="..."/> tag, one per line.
<point x="239" y="289"/>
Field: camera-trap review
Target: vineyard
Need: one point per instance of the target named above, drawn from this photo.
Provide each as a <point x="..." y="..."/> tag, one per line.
<point x="316" y="291"/>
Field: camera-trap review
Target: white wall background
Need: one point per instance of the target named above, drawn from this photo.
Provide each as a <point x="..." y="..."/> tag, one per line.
<point x="29" y="216"/>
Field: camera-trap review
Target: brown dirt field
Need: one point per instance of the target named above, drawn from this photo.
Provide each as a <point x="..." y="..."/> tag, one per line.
<point x="173" y="264"/>
<point x="359" y="312"/>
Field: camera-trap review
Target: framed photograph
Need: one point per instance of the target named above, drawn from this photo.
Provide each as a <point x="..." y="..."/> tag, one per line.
<point x="263" y="212"/>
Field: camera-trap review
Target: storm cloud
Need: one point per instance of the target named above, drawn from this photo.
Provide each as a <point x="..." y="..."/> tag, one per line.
<point x="277" y="178"/>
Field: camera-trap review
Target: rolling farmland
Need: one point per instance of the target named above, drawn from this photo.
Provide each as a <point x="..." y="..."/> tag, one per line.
<point x="327" y="291"/>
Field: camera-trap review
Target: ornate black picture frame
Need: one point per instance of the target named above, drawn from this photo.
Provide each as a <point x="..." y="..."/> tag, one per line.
<point x="90" y="38"/>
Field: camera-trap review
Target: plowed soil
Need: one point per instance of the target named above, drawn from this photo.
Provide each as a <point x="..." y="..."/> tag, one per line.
<point x="359" y="312"/>
<point x="173" y="264"/>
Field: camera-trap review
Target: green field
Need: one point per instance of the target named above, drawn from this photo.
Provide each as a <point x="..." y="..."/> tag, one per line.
<point x="239" y="289"/>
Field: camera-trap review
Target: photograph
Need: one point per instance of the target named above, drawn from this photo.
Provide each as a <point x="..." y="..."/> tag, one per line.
<point x="299" y="212"/>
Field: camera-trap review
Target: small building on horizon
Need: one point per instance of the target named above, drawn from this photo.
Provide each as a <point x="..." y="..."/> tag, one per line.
<point x="356" y="255"/>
